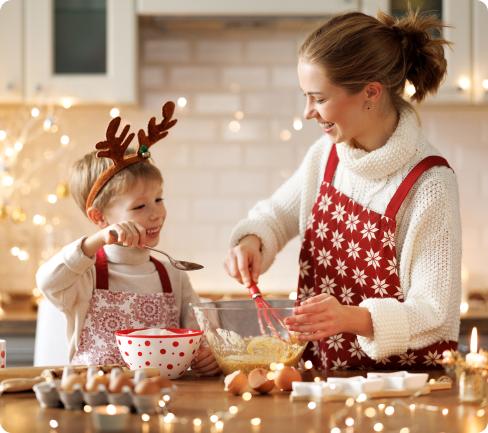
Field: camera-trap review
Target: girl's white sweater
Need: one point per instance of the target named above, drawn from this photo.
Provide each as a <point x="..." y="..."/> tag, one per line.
<point x="427" y="238"/>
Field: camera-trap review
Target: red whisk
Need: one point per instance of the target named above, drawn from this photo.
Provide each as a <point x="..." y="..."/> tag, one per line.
<point x="262" y="306"/>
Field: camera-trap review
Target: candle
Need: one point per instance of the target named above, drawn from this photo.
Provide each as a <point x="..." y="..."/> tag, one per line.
<point x="475" y="359"/>
<point x="110" y="418"/>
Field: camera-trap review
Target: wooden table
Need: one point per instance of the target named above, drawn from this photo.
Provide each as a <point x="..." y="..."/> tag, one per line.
<point x="202" y="397"/>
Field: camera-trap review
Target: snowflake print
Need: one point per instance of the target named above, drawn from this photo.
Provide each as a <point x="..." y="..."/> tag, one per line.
<point x="322" y="230"/>
<point x="339" y="364"/>
<point x="407" y="358"/>
<point x="312" y="248"/>
<point x="325" y="203"/>
<point x="337" y="239"/>
<point x="315" y="348"/>
<point x="363" y="298"/>
<point x="304" y="266"/>
<point x="389" y="239"/>
<point x="323" y="359"/>
<point x="324" y="258"/>
<point x="301" y="364"/>
<point x="432" y="358"/>
<point x="352" y="222"/>
<point x="369" y="230"/>
<point x="347" y="295"/>
<point x="359" y="277"/>
<point x="335" y="341"/>
<point x="341" y="267"/>
<point x="338" y="213"/>
<point x="306" y="293"/>
<point x="356" y="349"/>
<point x="327" y="285"/>
<point x="373" y="258"/>
<point x="398" y="294"/>
<point x="310" y="221"/>
<point x="392" y="268"/>
<point x="383" y="361"/>
<point x="380" y="286"/>
<point x="353" y="250"/>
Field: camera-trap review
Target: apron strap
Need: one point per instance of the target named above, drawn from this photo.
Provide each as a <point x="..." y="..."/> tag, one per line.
<point x="406" y="185"/>
<point x="102" y="272"/>
<point x="331" y="166"/>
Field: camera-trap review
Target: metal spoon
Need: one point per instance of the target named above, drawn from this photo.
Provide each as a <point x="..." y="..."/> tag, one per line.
<point x="178" y="264"/>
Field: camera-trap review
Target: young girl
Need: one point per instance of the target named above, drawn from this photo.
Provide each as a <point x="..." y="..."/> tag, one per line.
<point x="375" y="205"/>
<point x="102" y="287"/>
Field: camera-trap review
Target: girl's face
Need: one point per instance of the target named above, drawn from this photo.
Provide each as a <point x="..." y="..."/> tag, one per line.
<point x="342" y="116"/>
<point x="142" y="204"/>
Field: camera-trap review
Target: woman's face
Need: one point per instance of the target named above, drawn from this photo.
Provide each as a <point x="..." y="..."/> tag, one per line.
<point x="342" y="116"/>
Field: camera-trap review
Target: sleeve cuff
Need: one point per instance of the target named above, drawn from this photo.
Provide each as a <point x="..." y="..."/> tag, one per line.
<point x="75" y="259"/>
<point x="391" y="328"/>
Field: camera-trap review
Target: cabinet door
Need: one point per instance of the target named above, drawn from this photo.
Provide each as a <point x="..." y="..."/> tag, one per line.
<point x="58" y="78"/>
<point x="480" y="52"/>
<point x="11" y="86"/>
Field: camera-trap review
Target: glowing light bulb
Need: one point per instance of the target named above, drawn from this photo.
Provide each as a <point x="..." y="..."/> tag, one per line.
<point x="464" y="307"/>
<point x="18" y="145"/>
<point x="247" y="396"/>
<point x="66" y="103"/>
<point x="114" y="112"/>
<point x="53" y="423"/>
<point x="349" y="422"/>
<point x="256" y="421"/>
<point x="410" y="89"/>
<point x="297" y="123"/>
<point x="239" y="115"/>
<point x="197" y="422"/>
<point x="389" y="410"/>
<point x="3" y="134"/>
<point x="285" y="135"/>
<point x="445" y="411"/>
<point x="87" y="408"/>
<point x="233" y="409"/>
<point x="214" y="418"/>
<point x="485" y="86"/>
<point x="8" y="180"/>
<point x="219" y="425"/>
<point x="308" y="365"/>
<point x="293" y="296"/>
<point x="378" y="426"/>
<point x="312" y="405"/>
<point x="145" y="417"/>
<point x="37" y="219"/>
<point x="464" y="83"/>
<point x="9" y="151"/>
<point x="111" y="409"/>
<point x="52" y="198"/>
<point x="15" y="251"/>
<point x="234" y="126"/>
<point x="64" y="140"/>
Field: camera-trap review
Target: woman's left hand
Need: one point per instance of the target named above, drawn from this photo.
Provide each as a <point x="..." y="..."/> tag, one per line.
<point x="204" y="362"/>
<point x="320" y="316"/>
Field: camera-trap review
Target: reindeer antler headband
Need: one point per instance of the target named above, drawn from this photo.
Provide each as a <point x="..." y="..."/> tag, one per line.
<point x="114" y="147"/>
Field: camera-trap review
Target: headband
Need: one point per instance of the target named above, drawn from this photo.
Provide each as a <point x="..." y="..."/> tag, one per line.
<point x="114" y="147"/>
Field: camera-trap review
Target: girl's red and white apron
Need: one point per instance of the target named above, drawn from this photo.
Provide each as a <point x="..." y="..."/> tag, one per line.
<point x="112" y="311"/>
<point x="349" y="252"/>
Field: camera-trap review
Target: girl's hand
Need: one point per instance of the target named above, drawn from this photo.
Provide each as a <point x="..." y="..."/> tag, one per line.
<point x="323" y="316"/>
<point x="204" y="362"/>
<point x="242" y="257"/>
<point x="130" y="234"/>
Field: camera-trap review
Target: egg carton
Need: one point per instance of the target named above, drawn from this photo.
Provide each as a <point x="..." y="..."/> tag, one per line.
<point x="50" y="394"/>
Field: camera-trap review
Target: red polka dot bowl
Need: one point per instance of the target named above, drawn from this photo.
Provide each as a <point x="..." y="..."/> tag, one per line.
<point x="171" y="354"/>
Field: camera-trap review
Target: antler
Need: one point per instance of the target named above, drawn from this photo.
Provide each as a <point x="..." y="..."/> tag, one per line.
<point x="114" y="147"/>
<point x="159" y="131"/>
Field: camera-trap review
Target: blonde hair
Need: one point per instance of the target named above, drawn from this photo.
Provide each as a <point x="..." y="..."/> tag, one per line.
<point x="357" y="49"/>
<point x="88" y="169"/>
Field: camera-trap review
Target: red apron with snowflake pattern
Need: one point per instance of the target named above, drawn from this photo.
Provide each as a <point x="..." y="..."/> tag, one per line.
<point x="349" y="252"/>
<point x="112" y="311"/>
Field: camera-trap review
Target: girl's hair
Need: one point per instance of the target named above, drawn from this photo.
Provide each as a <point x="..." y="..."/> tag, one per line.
<point x="88" y="169"/>
<point x="357" y="49"/>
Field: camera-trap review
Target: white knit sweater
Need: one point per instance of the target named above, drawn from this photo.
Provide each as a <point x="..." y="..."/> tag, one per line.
<point x="68" y="281"/>
<point x="427" y="238"/>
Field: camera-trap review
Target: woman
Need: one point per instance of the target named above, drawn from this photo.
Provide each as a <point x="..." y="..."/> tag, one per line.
<point x="375" y="205"/>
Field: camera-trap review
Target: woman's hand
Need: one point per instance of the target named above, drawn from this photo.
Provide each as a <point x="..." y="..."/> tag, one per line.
<point x="323" y="316"/>
<point x="204" y="362"/>
<point x="242" y="257"/>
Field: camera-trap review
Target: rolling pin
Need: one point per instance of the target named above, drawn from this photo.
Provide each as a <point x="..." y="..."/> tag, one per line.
<point x="24" y="378"/>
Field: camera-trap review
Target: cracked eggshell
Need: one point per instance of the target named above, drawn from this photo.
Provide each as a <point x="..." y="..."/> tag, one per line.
<point x="236" y="383"/>
<point x="283" y="378"/>
<point x="259" y="381"/>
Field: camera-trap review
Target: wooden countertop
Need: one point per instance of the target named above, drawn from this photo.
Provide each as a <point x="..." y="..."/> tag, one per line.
<point x="202" y="397"/>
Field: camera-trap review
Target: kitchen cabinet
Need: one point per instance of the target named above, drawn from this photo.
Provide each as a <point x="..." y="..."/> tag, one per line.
<point x="115" y="83"/>
<point x="480" y="52"/>
<point x="248" y="7"/>
<point x="11" y="61"/>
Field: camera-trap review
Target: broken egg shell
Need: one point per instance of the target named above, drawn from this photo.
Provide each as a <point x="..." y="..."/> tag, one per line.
<point x="236" y="382"/>
<point x="146" y="387"/>
<point x="283" y="378"/>
<point x="162" y="382"/>
<point x="118" y="382"/>
<point x="68" y="383"/>
<point x="259" y="381"/>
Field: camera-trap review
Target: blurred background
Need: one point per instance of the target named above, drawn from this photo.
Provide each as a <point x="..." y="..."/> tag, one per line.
<point x="68" y="66"/>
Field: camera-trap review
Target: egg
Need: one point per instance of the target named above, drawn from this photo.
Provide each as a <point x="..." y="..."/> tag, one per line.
<point x="259" y="381"/>
<point x="94" y="381"/>
<point x="162" y="382"/>
<point x="68" y="382"/>
<point x="118" y="382"/>
<point x="284" y="377"/>
<point x="146" y="387"/>
<point x="236" y="382"/>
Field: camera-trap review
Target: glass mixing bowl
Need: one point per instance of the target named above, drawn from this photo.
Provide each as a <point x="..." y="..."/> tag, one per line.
<point x="233" y="332"/>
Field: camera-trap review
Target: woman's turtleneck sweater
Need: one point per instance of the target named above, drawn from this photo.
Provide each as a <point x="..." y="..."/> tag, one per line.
<point x="68" y="281"/>
<point x="427" y="238"/>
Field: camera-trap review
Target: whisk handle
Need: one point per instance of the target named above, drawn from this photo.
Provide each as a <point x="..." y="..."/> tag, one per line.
<point x="254" y="291"/>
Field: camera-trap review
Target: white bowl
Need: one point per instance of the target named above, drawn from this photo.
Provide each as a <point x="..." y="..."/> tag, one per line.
<point x="171" y="354"/>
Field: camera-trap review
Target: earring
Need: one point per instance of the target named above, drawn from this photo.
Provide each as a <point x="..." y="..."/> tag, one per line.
<point x="369" y="107"/>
